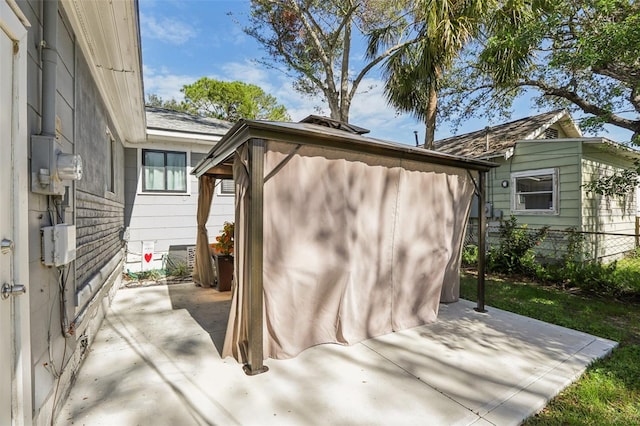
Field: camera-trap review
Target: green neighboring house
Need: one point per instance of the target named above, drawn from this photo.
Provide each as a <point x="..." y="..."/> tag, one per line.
<point x="544" y="163"/>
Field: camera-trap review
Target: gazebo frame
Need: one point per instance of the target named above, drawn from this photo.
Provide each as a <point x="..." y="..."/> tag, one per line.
<point x="218" y="164"/>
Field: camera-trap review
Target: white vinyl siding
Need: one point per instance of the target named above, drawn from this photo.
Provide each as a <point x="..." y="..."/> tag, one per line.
<point x="168" y="218"/>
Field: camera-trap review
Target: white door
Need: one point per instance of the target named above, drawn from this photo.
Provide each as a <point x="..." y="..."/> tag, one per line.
<point x="15" y="349"/>
<point x="6" y="224"/>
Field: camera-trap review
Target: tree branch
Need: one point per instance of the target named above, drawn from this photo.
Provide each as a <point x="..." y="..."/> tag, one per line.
<point x="625" y="74"/>
<point x="583" y="104"/>
<point x="375" y="62"/>
<point x="324" y="58"/>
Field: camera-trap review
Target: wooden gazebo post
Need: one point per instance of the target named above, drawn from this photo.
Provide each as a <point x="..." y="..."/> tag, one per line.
<point x="255" y="236"/>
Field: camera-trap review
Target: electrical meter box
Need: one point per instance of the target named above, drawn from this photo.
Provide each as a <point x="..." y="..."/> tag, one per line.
<point x="58" y="244"/>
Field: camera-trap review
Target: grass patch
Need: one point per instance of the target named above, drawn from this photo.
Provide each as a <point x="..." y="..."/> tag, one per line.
<point x="609" y="391"/>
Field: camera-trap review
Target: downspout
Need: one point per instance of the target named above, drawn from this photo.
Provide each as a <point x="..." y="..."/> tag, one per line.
<point x="49" y="66"/>
<point x="49" y="47"/>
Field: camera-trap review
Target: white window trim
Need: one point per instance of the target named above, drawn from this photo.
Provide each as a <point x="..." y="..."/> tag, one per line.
<point x="139" y="190"/>
<point x="110" y="185"/>
<point x="554" y="172"/>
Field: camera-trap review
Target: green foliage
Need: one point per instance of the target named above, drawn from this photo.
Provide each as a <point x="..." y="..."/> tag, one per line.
<point x="577" y="55"/>
<point x="231" y="101"/>
<point x="627" y="276"/>
<point x="514" y="253"/>
<point x="618" y="184"/>
<point x="224" y="100"/>
<point x="620" y="279"/>
<point x="470" y="255"/>
<point x="596" y="278"/>
<point x="311" y="41"/>
<point x="156" y="101"/>
<point x="564" y="265"/>
<point x="151" y="275"/>
<point x="179" y="269"/>
<point x="413" y="73"/>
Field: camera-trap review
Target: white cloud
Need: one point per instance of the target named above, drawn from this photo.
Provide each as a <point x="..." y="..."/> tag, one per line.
<point x="247" y="72"/>
<point x="166" y="30"/>
<point x="274" y="83"/>
<point x="368" y="109"/>
<point x="165" y="84"/>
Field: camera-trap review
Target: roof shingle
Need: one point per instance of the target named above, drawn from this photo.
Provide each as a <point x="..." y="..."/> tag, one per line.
<point x="499" y="138"/>
<point x="164" y="119"/>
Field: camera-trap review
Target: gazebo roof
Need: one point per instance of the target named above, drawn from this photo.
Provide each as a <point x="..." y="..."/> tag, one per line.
<point x="217" y="160"/>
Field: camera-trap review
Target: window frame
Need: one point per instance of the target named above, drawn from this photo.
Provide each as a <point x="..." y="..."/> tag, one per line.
<point x="141" y="174"/>
<point x="555" y="191"/>
<point x="111" y="164"/>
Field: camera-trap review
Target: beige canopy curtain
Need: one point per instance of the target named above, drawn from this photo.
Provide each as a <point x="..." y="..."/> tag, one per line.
<point x="355" y="245"/>
<point x="236" y="338"/>
<point x="203" y="269"/>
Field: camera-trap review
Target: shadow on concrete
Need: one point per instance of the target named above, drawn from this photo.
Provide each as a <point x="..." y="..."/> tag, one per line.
<point x="209" y="307"/>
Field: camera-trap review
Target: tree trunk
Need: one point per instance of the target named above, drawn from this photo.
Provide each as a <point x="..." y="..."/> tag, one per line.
<point x="430" y="122"/>
<point x="345" y="102"/>
<point x="334" y="104"/>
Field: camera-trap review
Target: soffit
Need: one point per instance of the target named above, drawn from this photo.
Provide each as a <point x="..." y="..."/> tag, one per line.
<point x="109" y="35"/>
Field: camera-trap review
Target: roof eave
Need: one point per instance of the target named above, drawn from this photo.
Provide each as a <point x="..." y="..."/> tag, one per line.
<point x="181" y="136"/>
<point x="615" y="145"/>
<point x="108" y="34"/>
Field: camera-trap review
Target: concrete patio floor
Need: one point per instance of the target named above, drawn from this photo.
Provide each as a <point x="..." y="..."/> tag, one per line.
<point x="156" y="361"/>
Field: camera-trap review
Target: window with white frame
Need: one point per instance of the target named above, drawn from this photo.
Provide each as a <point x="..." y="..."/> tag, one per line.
<point x="164" y="171"/>
<point x="535" y="191"/>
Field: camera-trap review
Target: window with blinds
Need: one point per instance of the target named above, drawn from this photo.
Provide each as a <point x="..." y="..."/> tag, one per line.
<point x="227" y="187"/>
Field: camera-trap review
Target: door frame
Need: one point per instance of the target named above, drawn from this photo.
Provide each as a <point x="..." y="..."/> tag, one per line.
<point x="15" y="24"/>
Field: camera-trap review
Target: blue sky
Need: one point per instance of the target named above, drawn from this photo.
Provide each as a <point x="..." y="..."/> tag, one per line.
<point x="184" y="40"/>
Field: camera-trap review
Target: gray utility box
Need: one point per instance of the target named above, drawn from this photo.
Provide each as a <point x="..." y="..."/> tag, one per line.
<point x="58" y="244"/>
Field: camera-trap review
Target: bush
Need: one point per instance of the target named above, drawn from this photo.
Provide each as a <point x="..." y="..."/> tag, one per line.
<point x="627" y="276"/>
<point x="470" y="255"/>
<point x="595" y="277"/>
<point x="514" y="253"/>
<point x="179" y="269"/>
<point x="615" y="279"/>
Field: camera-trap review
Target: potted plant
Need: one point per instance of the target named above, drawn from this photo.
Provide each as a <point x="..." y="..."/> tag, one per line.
<point x="223" y="256"/>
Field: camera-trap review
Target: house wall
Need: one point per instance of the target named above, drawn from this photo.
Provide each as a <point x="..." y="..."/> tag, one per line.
<point x="168" y="220"/>
<point x="60" y="336"/>
<point x="602" y="214"/>
<point x="563" y="155"/>
<point x="578" y="163"/>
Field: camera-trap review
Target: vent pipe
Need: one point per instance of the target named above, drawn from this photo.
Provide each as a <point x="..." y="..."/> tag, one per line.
<point x="486" y="138"/>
